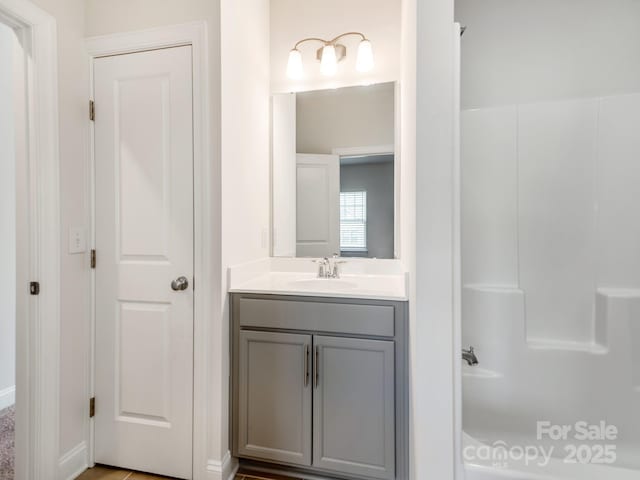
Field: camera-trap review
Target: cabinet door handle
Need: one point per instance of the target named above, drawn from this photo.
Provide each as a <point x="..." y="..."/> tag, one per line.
<point x="316" y="365"/>
<point x="306" y="366"/>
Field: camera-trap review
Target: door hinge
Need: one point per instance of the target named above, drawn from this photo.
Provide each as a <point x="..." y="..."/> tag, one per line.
<point x="34" y="288"/>
<point x="93" y="258"/>
<point x="92" y="110"/>
<point x="92" y="407"/>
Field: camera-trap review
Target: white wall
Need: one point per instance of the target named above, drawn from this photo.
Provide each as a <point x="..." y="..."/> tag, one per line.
<point x="8" y="47"/>
<point x="239" y="75"/>
<point x="284" y="174"/>
<point x="406" y="132"/>
<point x="432" y="326"/>
<point x="73" y="94"/>
<point x="293" y="20"/>
<point x="124" y="15"/>
<point x="243" y="37"/>
<point x="519" y="51"/>
<point x="345" y="117"/>
<point x="246" y="118"/>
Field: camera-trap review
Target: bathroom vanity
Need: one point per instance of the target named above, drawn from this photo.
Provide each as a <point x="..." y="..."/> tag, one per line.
<point x="319" y="385"/>
<point x="319" y="375"/>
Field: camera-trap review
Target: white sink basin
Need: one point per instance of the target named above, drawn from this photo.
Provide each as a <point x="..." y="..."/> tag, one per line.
<point x="325" y="283"/>
<point x="304" y="281"/>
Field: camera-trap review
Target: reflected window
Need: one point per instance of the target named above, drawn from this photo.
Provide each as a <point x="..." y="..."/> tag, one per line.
<point x="353" y="221"/>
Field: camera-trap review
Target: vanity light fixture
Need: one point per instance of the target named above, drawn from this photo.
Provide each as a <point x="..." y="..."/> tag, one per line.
<point x="330" y="54"/>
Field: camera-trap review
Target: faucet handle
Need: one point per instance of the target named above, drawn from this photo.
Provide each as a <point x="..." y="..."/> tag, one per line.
<point x="335" y="271"/>
<point x="323" y="266"/>
<point x="336" y="261"/>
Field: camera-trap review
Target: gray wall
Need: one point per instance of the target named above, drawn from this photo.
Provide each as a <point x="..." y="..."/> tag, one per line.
<point x="377" y="180"/>
<point x="345" y="117"/>
<point x="523" y="51"/>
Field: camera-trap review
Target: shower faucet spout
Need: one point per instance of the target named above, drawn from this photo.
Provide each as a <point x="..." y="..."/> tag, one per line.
<point x="469" y="356"/>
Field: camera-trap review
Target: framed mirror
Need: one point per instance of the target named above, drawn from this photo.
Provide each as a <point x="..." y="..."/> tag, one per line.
<point x="334" y="173"/>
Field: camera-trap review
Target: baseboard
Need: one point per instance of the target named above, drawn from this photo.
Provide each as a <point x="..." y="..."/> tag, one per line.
<point x="230" y="467"/>
<point x="7" y="397"/>
<point x="74" y="462"/>
<point x="222" y="470"/>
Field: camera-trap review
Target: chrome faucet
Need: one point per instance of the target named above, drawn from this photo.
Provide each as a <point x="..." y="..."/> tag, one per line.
<point x="323" y="267"/>
<point x="328" y="268"/>
<point x="469" y="356"/>
<point x="334" y="266"/>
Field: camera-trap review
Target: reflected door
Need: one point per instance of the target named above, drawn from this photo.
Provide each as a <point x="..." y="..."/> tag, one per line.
<point x="144" y="241"/>
<point x="318" y="205"/>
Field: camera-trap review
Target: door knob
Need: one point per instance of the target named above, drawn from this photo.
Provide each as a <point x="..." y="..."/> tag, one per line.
<point x="179" y="284"/>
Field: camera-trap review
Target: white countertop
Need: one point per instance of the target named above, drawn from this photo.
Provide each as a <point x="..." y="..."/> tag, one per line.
<point x="361" y="278"/>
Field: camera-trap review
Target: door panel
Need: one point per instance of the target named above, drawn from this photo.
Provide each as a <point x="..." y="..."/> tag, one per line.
<point x="144" y="240"/>
<point x="275" y="397"/>
<point x="318" y="205"/>
<point x="354" y="412"/>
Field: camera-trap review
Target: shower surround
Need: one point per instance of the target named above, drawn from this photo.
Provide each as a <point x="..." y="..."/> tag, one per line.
<point x="551" y="273"/>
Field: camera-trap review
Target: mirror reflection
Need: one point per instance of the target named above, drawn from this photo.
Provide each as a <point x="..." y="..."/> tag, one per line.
<point x="334" y="172"/>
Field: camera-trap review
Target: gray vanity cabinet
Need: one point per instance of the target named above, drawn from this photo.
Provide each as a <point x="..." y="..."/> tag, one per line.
<point x="275" y="396"/>
<point x="318" y="386"/>
<point x="353" y="408"/>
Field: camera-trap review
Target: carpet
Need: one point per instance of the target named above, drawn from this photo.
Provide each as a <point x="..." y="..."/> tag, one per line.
<point x="7" y="446"/>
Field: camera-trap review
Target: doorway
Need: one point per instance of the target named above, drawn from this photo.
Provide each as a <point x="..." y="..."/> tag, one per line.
<point x="144" y="244"/>
<point x="30" y="216"/>
<point x="11" y="111"/>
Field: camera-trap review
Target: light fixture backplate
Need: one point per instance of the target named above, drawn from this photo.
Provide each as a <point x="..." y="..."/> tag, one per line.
<point x="341" y="52"/>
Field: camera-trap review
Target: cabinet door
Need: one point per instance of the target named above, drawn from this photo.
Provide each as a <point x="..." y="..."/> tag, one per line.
<point x="274" y="417"/>
<point x="354" y="413"/>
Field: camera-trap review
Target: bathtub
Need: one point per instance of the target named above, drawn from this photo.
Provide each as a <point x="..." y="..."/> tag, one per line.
<point x="520" y="382"/>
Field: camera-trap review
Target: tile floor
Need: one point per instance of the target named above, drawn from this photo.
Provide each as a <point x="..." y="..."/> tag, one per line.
<point x="109" y="473"/>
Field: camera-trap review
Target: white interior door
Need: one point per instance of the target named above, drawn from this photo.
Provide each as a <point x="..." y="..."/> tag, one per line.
<point x="318" y="205"/>
<point x="144" y="241"/>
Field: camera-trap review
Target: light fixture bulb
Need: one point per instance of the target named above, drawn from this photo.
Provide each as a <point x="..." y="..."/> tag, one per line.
<point x="364" y="61"/>
<point x="329" y="62"/>
<point x="294" y="65"/>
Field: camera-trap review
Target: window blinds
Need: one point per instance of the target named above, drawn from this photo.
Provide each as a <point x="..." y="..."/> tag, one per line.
<point x="353" y="221"/>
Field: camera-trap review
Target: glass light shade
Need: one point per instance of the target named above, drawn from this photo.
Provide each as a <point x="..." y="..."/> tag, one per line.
<point x="294" y="65"/>
<point x="329" y="62"/>
<point x="364" y="61"/>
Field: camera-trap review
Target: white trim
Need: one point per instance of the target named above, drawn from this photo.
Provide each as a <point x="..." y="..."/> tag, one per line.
<point x="222" y="470"/>
<point x="37" y="336"/>
<point x="457" y="258"/>
<point x="206" y="204"/>
<point x="7" y="397"/>
<point x="364" y="151"/>
<point x="74" y="462"/>
<point x="398" y="166"/>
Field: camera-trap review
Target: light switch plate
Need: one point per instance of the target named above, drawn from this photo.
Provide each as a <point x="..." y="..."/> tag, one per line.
<point x="77" y="240"/>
